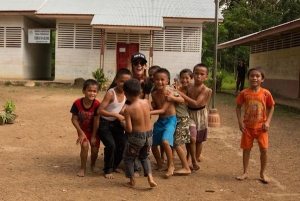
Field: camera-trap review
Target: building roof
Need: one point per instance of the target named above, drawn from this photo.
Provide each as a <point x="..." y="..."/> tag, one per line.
<point x="21" y="5"/>
<point x="264" y="34"/>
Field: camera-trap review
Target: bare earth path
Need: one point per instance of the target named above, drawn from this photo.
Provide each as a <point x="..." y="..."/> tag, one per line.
<point x="39" y="158"/>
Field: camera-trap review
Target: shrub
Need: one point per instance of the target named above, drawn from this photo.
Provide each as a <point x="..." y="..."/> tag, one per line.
<point x="221" y="74"/>
<point x="9" y="107"/>
<point x="101" y="79"/>
<point x="7" y="83"/>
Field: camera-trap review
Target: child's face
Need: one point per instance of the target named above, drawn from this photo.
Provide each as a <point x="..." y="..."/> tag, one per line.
<point x="121" y="80"/>
<point x="185" y="79"/>
<point x="255" y="78"/>
<point x="90" y="92"/>
<point x="200" y="74"/>
<point x="138" y="67"/>
<point x="161" y="80"/>
<point x="151" y="73"/>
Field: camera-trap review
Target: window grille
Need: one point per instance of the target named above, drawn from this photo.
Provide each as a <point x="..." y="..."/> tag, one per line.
<point x="13" y="37"/>
<point x="173" y="39"/>
<point x="145" y="42"/>
<point x="65" y="35"/>
<point x="191" y="39"/>
<point x="158" y="41"/>
<point x="111" y="40"/>
<point x="83" y="36"/>
<point x="1" y="36"/>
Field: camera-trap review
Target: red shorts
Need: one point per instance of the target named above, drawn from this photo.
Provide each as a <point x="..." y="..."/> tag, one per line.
<point x="89" y="136"/>
<point x="250" y="134"/>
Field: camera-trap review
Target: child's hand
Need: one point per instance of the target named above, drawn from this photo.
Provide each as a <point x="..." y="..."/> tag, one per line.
<point x="81" y="138"/>
<point x="170" y="97"/>
<point x="93" y="141"/>
<point x="123" y="123"/>
<point x="242" y="127"/>
<point x="153" y="105"/>
<point x="120" y="117"/>
<point x="265" y="126"/>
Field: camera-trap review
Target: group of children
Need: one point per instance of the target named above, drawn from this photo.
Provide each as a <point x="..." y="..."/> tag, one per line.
<point x="123" y="122"/>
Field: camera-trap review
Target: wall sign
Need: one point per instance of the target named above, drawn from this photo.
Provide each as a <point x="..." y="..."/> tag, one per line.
<point x="39" y="36"/>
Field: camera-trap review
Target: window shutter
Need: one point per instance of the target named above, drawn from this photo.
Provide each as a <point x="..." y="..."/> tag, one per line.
<point x="13" y="37"/>
<point x="111" y="39"/>
<point x="145" y="42"/>
<point x="173" y="39"/>
<point x="65" y="35"/>
<point x="158" y="41"/>
<point x="83" y="36"/>
<point x="191" y="39"/>
<point x="1" y="36"/>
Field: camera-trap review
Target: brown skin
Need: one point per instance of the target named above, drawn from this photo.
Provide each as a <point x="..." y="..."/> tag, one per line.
<point x="90" y="94"/>
<point x="137" y="118"/>
<point x="109" y="98"/>
<point x="255" y="80"/>
<point x="160" y="81"/>
<point x="198" y="96"/>
<point x="138" y="73"/>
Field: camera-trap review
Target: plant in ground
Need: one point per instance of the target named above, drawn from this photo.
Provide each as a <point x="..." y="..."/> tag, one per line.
<point x="8" y="108"/>
<point x="101" y="79"/>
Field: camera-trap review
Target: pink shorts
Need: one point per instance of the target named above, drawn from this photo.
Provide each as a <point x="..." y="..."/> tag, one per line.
<point x="200" y="136"/>
<point x="250" y="134"/>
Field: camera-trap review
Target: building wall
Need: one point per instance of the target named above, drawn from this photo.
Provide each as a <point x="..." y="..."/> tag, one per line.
<point x="11" y="58"/>
<point x="37" y="57"/>
<point x="282" y="68"/>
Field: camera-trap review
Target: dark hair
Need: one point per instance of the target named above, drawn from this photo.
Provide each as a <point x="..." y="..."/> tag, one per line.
<point x="186" y="70"/>
<point x="154" y="68"/>
<point x="201" y="65"/>
<point x="132" y="87"/>
<point x="163" y="70"/>
<point x="123" y="71"/>
<point x="90" y="82"/>
<point x="259" y="69"/>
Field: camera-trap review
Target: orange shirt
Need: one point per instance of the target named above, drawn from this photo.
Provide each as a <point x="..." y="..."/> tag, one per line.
<point x="256" y="104"/>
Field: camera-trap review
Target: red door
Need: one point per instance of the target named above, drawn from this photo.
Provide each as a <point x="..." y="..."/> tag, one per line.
<point x="124" y="52"/>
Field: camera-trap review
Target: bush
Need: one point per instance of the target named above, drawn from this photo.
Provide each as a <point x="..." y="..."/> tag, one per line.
<point x="101" y="79"/>
<point x="221" y="74"/>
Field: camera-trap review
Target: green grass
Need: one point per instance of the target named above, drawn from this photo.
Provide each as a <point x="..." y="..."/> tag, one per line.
<point x="229" y="83"/>
<point x="286" y="111"/>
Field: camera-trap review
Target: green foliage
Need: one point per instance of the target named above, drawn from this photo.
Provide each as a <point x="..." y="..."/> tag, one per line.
<point x="221" y="75"/>
<point x="100" y="77"/>
<point x="7" y="83"/>
<point x="9" y="107"/>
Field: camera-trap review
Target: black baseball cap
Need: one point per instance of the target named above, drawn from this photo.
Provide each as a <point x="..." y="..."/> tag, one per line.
<point x="138" y="55"/>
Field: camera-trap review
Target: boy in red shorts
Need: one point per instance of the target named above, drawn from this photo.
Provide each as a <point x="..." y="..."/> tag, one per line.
<point x="256" y="121"/>
<point x="86" y="122"/>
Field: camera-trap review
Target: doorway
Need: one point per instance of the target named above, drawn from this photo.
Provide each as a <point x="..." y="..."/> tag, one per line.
<point x="124" y="52"/>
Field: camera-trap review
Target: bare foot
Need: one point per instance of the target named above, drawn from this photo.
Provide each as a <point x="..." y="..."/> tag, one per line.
<point x="183" y="171"/>
<point x="200" y="158"/>
<point x="129" y="185"/>
<point x="191" y="166"/>
<point x="109" y="176"/>
<point x="95" y="169"/>
<point x="152" y="183"/>
<point x="196" y="166"/>
<point x="160" y="168"/>
<point x="118" y="170"/>
<point x="136" y="175"/>
<point x="81" y="173"/>
<point x="242" y="177"/>
<point x="170" y="171"/>
<point x="264" y="178"/>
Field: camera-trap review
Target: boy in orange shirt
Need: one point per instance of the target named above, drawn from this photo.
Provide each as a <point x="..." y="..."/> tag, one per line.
<point x="256" y="121"/>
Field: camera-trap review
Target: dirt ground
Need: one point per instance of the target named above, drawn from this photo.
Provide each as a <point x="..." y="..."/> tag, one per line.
<point x="39" y="158"/>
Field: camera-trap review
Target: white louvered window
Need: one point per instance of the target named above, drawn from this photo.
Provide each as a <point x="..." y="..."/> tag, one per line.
<point x="145" y="42"/>
<point x="134" y="38"/>
<point x="1" y="36"/>
<point x="111" y="40"/>
<point x="173" y="39"/>
<point x="191" y="39"/>
<point x="158" y="41"/>
<point x="78" y="36"/>
<point x="10" y="37"/>
<point x="83" y="36"/>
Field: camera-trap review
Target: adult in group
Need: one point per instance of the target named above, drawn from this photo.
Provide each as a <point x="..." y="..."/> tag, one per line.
<point x="240" y="75"/>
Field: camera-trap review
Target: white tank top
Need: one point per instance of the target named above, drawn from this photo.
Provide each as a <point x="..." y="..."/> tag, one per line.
<point x="114" y="107"/>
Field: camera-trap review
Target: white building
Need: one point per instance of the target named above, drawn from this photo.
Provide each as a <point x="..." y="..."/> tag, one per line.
<point x="93" y="34"/>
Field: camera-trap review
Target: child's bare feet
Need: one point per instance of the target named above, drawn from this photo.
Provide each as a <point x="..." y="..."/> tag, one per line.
<point x="196" y="166"/>
<point x="109" y="176"/>
<point x="264" y="178"/>
<point x="130" y="184"/>
<point x="183" y="171"/>
<point x="160" y="168"/>
<point x="200" y="158"/>
<point x="152" y="183"/>
<point x="81" y="173"/>
<point x="170" y="171"/>
<point x="118" y="170"/>
<point x="95" y="169"/>
<point x="242" y="177"/>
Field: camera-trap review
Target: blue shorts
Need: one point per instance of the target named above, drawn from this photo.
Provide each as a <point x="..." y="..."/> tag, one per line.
<point x="164" y="129"/>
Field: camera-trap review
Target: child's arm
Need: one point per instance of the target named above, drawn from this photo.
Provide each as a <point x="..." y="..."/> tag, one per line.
<point x="171" y="97"/>
<point x="109" y="96"/>
<point x="95" y="128"/>
<point x="162" y="110"/>
<point x="266" y="125"/>
<point x="128" y="124"/>
<point x="75" y="123"/>
<point x="200" y="101"/>
<point x="239" y="117"/>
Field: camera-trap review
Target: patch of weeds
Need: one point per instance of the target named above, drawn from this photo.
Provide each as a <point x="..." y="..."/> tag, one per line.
<point x="12" y="91"/>
<point x="225" y="99"/>
<point x="286" y="111"/>
<point x="19" y="84"/>
<point x="7" y="83"/>
<point x="38" y="84"/>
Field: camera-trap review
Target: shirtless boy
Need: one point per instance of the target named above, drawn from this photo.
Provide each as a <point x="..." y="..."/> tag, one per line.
<point x="110" y="129"/>
<point x="197" y="97"/>
<point x="164" y="127"/>
<point x="139" y="132"/>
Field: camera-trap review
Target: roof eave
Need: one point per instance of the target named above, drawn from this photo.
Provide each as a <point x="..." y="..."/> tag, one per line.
<point x="127" y="27"/>
<point x="68" y="16"/>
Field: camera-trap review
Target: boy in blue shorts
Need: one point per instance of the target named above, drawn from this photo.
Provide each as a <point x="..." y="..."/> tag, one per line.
<point x="164" y="127"/>
<point x="86" y="122"/>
